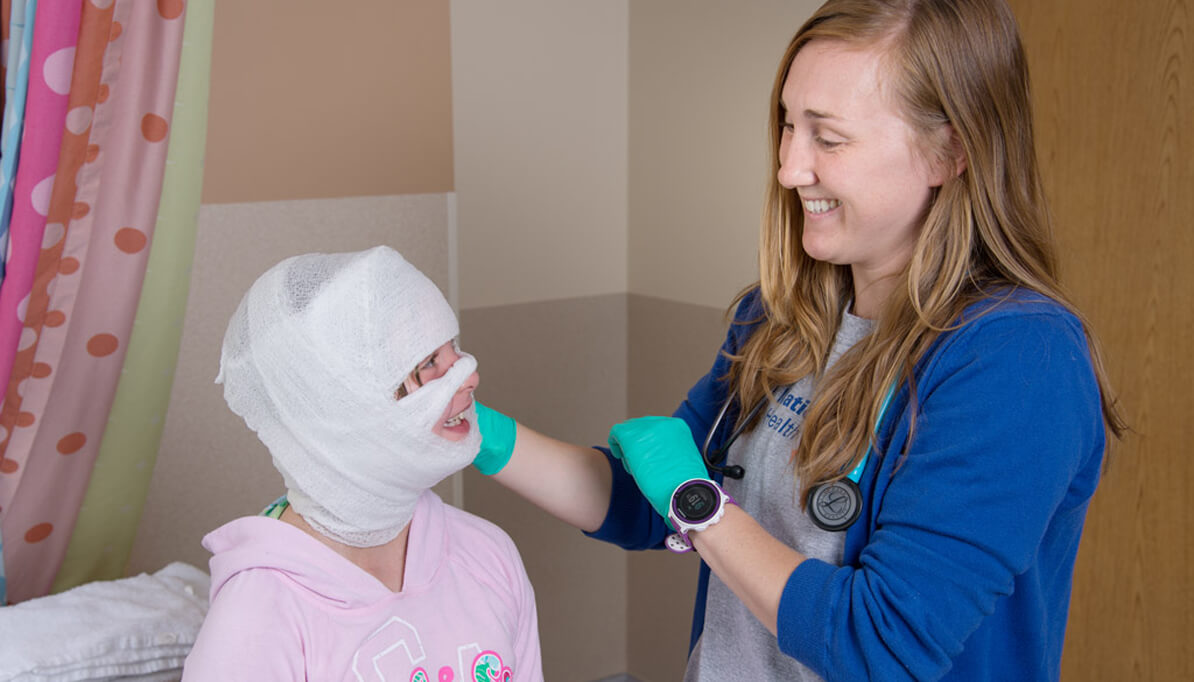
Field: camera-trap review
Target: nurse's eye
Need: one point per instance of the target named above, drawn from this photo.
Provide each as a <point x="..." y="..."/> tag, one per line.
<point x="827" y="144"/>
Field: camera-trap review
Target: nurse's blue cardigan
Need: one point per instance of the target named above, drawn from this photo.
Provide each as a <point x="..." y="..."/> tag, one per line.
<point x="961" y="564"/>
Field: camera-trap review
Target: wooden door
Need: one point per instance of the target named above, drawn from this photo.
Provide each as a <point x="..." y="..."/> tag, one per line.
<point x="1113" y="89"/>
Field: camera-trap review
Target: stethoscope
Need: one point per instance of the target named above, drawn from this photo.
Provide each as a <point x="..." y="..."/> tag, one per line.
<point x="833" y="506"/>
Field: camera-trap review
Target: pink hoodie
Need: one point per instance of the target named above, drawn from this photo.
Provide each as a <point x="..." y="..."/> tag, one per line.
<point x="286" y="607"/>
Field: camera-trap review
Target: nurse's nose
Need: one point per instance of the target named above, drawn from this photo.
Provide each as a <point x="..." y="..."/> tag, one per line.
<point x="795" y="163"/>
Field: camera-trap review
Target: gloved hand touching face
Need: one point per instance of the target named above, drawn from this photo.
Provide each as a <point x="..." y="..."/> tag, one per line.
<point x="498" y="433"/>
<point x="660" y="454"/>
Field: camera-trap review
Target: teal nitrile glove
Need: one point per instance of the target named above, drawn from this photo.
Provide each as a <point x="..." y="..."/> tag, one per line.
<point x="497" y="440"/>
<point x="660" y="454"/>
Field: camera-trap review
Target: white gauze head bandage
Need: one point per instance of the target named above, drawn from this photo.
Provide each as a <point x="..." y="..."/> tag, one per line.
<point x="312" y="359"/>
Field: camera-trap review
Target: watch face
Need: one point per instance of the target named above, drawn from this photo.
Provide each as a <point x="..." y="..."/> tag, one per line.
<point x="697" y="502"/>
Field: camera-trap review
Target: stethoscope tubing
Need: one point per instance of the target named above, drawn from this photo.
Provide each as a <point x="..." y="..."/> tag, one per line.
<point x="720" y="453"/>
<point x="833" y="506"/>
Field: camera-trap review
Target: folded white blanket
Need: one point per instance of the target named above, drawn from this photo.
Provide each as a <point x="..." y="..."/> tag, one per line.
<point x="109" y="629"/>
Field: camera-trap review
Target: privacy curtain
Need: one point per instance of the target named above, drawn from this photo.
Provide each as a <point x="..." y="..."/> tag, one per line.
<point x="81" y="348"/>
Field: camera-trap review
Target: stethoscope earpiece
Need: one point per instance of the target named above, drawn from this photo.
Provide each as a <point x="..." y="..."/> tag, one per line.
<point x="714" y="462"/>
<point x="733" y="471"/>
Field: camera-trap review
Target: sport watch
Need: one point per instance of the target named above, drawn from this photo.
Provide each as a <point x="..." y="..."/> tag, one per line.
<point x="697" y="504"/>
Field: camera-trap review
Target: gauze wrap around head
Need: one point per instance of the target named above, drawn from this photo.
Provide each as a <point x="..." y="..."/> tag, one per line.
<point x="312" y="359"/>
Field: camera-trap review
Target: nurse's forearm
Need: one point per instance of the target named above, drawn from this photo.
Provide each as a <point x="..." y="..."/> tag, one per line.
<point x="752" y="563"/>
<point x="568" y="481"/>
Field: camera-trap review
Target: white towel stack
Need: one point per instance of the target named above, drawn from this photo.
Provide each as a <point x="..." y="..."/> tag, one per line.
<point x="138" y="628"/>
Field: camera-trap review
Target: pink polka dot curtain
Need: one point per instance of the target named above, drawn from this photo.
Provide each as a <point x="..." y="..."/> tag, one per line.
<point x="88" y="186"/>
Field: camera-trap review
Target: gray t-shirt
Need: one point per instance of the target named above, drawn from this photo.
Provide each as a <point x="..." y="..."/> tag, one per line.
<point x="734" y="644"/>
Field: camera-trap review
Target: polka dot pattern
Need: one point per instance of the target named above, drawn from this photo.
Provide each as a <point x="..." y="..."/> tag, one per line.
<point x="100" y="142"/>
<point x="170" y="9"/>
<point x="130" y="240"/>
<point x="102" y="345"/>
<point x="53" y="234"/>
<point x="41" y="196"/>
<point x="72" y="443"/>
<point x="39" y="532"/>
<point x="57" y="70"/>
<point x="28" y="338"/>
<point x="78" y="120"/>
<point x="154" y="127"/>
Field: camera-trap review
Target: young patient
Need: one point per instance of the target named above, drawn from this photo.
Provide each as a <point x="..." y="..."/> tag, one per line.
<point x="345" y="365"/>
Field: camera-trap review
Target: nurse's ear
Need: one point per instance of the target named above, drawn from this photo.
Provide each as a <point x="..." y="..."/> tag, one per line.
<point x="947" y="157"/>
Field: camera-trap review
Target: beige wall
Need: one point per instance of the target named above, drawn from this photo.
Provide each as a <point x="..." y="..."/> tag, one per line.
<point x="560" y="366"/>
<point x="329" y="100"/>
<point x="701" y="73"/>
<point x="540" y="107"/>
<point x="540" y="115"/>
<point x="700" y="77"/>
<point x="636" y="150"/>
<point x="671" y="344"/>
<point x="547" y="95"/>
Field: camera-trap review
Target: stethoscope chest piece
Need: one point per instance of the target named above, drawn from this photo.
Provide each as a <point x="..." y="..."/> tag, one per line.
<point x="834" y="506"/>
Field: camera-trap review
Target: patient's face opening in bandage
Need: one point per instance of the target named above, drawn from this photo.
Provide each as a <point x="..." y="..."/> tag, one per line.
<point x="313" y="360"/>
<point x="454" y="425"/>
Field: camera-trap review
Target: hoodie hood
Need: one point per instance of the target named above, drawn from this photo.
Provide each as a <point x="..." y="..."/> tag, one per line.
<point x="259" y="542"/>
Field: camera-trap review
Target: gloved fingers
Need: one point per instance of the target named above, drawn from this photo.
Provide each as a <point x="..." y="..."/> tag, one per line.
<point x="660" y="454"/>
<point x="652" y="437"/>
<point x="615" y="448"/>
<point x="498" y="434"/>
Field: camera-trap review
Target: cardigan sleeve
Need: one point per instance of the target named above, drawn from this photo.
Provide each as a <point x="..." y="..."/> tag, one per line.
<point x="1008" y="429"/>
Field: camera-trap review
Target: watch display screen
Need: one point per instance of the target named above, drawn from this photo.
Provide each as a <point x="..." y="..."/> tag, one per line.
<point x="696" y="502"/>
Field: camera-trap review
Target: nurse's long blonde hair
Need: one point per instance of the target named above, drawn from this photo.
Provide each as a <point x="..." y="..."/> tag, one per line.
<point x="987" y="230"/>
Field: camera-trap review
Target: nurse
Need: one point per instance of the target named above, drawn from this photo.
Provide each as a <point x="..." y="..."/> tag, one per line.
<point x="908" y="301"/>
